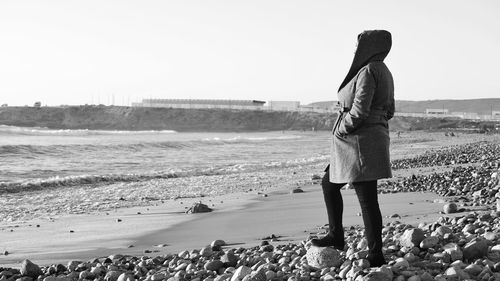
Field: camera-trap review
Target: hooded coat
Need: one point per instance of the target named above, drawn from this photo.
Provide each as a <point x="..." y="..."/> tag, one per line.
<point x="360" y="143"/>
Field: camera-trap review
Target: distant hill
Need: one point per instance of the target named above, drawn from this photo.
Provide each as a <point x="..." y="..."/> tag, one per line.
<point x="200" y="120"/>
<point x="479" y="106"/>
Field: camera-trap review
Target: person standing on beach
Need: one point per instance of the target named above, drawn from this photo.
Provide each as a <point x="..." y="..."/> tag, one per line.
<point x="360" y="142"/>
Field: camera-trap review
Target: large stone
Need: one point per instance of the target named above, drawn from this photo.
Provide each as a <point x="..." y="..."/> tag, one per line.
<point x="218" y="243"/>
<point x="229" y="259"/>
<point x="73" y="265"/>
<point x="454" y="251"/>
<point x="112" y="275"/>
<point x="320" y="257"/>
<point x="429" y="242"/>
<point x="456" y="272"/>
<point x="450" y="208"/>
<point x="241" y="272"/>
<point x="473" y="269"/>
<point x="126" y="277"/>
<point x="401" y="264"/>
<point x="198" y="208"/>
<point x="412" y="237"/>
<point x="30" y="269"/>
<point x="214" y="265"/>
<point x="206" y="251"/>
<point x="442" y="230"/>
<point x="476" y="248"/>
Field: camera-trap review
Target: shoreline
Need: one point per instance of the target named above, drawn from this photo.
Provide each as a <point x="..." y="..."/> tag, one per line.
<point x="242" y="222"/>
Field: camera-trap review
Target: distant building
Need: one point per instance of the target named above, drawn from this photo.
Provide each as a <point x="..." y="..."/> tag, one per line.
<point x="198" y="103"/>
<point x="436" y="111"/>
<point x="5" y="105"/>
<point x="283" y="105"/>
<point x="495" y="114"/>
<point x="37" y="104"/>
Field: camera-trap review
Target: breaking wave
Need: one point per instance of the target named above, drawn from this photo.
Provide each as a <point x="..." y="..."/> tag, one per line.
<point x="68" y="181"/>
<point x="38" y="131"/>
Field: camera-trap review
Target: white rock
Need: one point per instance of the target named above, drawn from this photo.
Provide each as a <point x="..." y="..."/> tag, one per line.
<point x="241" y="272"/>
<point x="320" y="257"/>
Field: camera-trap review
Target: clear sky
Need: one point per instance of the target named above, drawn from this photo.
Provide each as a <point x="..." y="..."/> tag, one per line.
<point x="77" y="52"/>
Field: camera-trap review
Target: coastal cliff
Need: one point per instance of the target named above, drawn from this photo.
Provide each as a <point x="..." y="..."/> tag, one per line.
<point x="144" y="118"/>
<point x="201" y="120"/>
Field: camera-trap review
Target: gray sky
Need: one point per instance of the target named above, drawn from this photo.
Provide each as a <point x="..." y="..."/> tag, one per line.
<point x="77" y="52"/>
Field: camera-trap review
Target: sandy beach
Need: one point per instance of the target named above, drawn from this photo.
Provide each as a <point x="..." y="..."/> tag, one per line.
<point x="243" y="221"/>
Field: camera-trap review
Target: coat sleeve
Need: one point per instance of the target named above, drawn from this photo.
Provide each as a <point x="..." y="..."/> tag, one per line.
<point x="363" y="96"/>
<point x="391" y="110"/>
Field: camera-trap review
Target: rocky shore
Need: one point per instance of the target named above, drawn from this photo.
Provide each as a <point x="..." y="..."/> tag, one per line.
<point x="464" y="247"/>
<point x="463" y="244"/>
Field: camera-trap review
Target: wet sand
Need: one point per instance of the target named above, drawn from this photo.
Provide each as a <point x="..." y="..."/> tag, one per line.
<point x="243" y="221"/>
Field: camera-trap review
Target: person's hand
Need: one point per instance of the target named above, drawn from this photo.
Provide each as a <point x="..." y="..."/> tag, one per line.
<point x="338" y="134"/>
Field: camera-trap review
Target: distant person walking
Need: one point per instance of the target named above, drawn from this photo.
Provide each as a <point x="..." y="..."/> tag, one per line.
<point x="360" y="142"/>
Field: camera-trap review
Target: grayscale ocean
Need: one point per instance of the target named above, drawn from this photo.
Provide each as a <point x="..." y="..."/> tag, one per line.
<point x="44" y="158"/>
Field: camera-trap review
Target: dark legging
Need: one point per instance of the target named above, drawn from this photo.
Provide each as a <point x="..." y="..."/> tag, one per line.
<point x="367" y="196"/>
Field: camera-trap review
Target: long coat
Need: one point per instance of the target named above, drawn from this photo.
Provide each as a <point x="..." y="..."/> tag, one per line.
<point x="360" y="142"/>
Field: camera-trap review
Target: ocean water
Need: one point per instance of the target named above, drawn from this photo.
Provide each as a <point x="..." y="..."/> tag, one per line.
<point x="42" y="158"/>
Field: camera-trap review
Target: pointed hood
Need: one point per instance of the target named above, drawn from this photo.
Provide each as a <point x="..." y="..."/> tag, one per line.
<point x="373" y="45"/>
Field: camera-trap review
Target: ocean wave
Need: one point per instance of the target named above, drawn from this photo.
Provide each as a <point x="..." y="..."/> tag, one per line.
<point x="67" y="150"/>
<point x="249" y="139"/>
<point x="39" y="131"/>
<point x="69" y="181"/>
<point x="29" y="150"/>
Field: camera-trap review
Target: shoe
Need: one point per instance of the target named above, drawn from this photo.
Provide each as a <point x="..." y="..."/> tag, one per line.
<point x="327" y="241"/>
<point x="376" y="260"/>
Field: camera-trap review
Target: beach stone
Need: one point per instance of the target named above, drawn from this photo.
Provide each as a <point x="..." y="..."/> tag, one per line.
<point x="454" y="251"/>
<point x="469" y="228"/>
<point x="30" y="269"/>
<point x="73" y="265"/>
<point x="112" y="275"/>
<point x="495" y="248"/>
<point x="442" y="230"/>
<point x="218" y="243"/>
<point x="414" y="278"/>
<point x="126" y="277"/>
<point x="229" y="259"/>
<point x="450" y="208"/>
<point x="429" y="242"/>
<point x="214" y="265"/>
<point x="72" y="275"/>
<point x="376" y="276"/>
<point x="401" y="264"/>
<point x="426" y="276"/>
<point x="258" y="275"/>
<point x="476" y="248"/>
<point x="206" y="251"/>
<point x="199" y="207"/>
<point x="490" y="236"/>
<point x="240" y="273"/>
<point x="456" y="272"/>
<point x="320" y="257"/>
<point x="86" y="275"/>
<point x="222" y="277"/>
<point x="473" y="269"/>
<point x="412" y="237"/>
